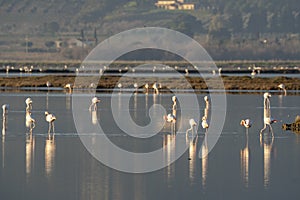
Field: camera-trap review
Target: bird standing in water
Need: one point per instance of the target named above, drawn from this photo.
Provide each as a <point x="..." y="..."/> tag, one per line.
<point x="192" y="125"/>
<point x="28" y="102"/>
<point x="282" y="87"/>
<point x="268" y="120"/>
<point x="50" y="118"/>
<point x="247" y="123"/>
<point x="95" y="100"/>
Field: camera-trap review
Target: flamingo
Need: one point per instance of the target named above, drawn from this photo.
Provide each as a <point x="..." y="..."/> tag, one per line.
<point x="50" y="118"/>
<point x="28" y="102"/>
<point x="95" y="100"/>
<point x="174" y="99"/>
<point x="268" y="120"/>
<point x="4" y="122"/>
<point x="282" y="87"/>
<point x="69" y="87"/>
<point x="120" y="86"/>
<point x="135" y="85"/>
<point x="146" y="86"/>
<point x="5" y="108"/>
<point x="247" y="123"/>
<point x="170" y="118"/>
<point x="48" y="84"/>
<point x="206" y="102"/>
<point x="30" y="122"/>
<point x="192" y="125"/>
<point x="204" y="123"/>
<point x="155" y="87"/>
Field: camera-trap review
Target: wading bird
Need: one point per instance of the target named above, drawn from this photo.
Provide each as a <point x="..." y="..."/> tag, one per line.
<point x="28" y="102"/>
<point x="247" y="123"/>
<point x="174" y="99"/>
<point x="50" y="118"/>
<point x="155" y="87"/>
<point x="282" y="87"/>
<point x="95" y="100"/>
<point x="204" y="123"/>
<point x="69" y="87"/>
<point x="4" y="118"/>
<point x="268" y="120"/>
<point x="192" y="125"/>
<point x="30" y="122"/>
<point x="170" y="118"/>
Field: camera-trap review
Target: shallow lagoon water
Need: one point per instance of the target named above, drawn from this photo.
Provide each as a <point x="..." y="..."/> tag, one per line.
<point x="238" y="167"/>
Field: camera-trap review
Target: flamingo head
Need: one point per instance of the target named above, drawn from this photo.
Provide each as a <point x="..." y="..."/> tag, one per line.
<point x="267" y="95"/>
<point x="28" y="101"/>
<point x="281" y="86"/>
<point x="242" y="123"/>
<point x="205" y="98"/>
<point x="273" y="121"/>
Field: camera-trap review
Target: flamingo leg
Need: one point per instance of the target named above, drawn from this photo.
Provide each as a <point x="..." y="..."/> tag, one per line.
<point x="264" y="128"/>
<point x="49" y="129"/>
<point x="52" y="123"/>
<point x="271" y="130"/>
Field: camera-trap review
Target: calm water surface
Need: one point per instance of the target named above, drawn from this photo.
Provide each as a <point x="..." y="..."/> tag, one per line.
<point x="238" y="167"/>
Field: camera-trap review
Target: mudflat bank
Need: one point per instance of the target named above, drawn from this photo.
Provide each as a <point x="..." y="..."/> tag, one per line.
<point x="109" y="82"/>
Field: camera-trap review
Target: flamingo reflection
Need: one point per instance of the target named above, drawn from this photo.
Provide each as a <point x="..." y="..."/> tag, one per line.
<point x="169" y="147"/>
<point x="267" y="144"/>
<point x="49" y="155"/>
<point x="4" y="127"/>
<point x="30" y="144"/>
<point x="244" y="157"/>
<point x="204" y="157"/>
<point x="192" y="156"/>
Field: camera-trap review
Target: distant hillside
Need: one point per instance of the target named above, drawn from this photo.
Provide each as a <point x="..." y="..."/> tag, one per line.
<point x="225" y="26"/>
<point x="31" y="16"/>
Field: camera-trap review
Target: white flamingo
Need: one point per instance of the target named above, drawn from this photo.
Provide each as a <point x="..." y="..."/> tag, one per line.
<point x="146" y="86"/>
<point x="174" y="99"/>
<point x="206" y="102"/>
<point x="69" y="87"/>
<point x="155" y="87"/>
<point x="95" y="100"/>
<point x="282" y="87"/>
<point x="192" y="125"/>
<point x="4" y="119"/>
<point x="268" y="120"/>
<point x="204" y="123"/>
<point x="50" y="118"/>
<point x="170" y="118"/>
<point x="247" y="123"/>
<point x="120" y="86"/>
<point x="136" y="86"/>
<point x="48" y="84"/>
<point x="28" y="102"/>
<point x="30" y="122"/>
